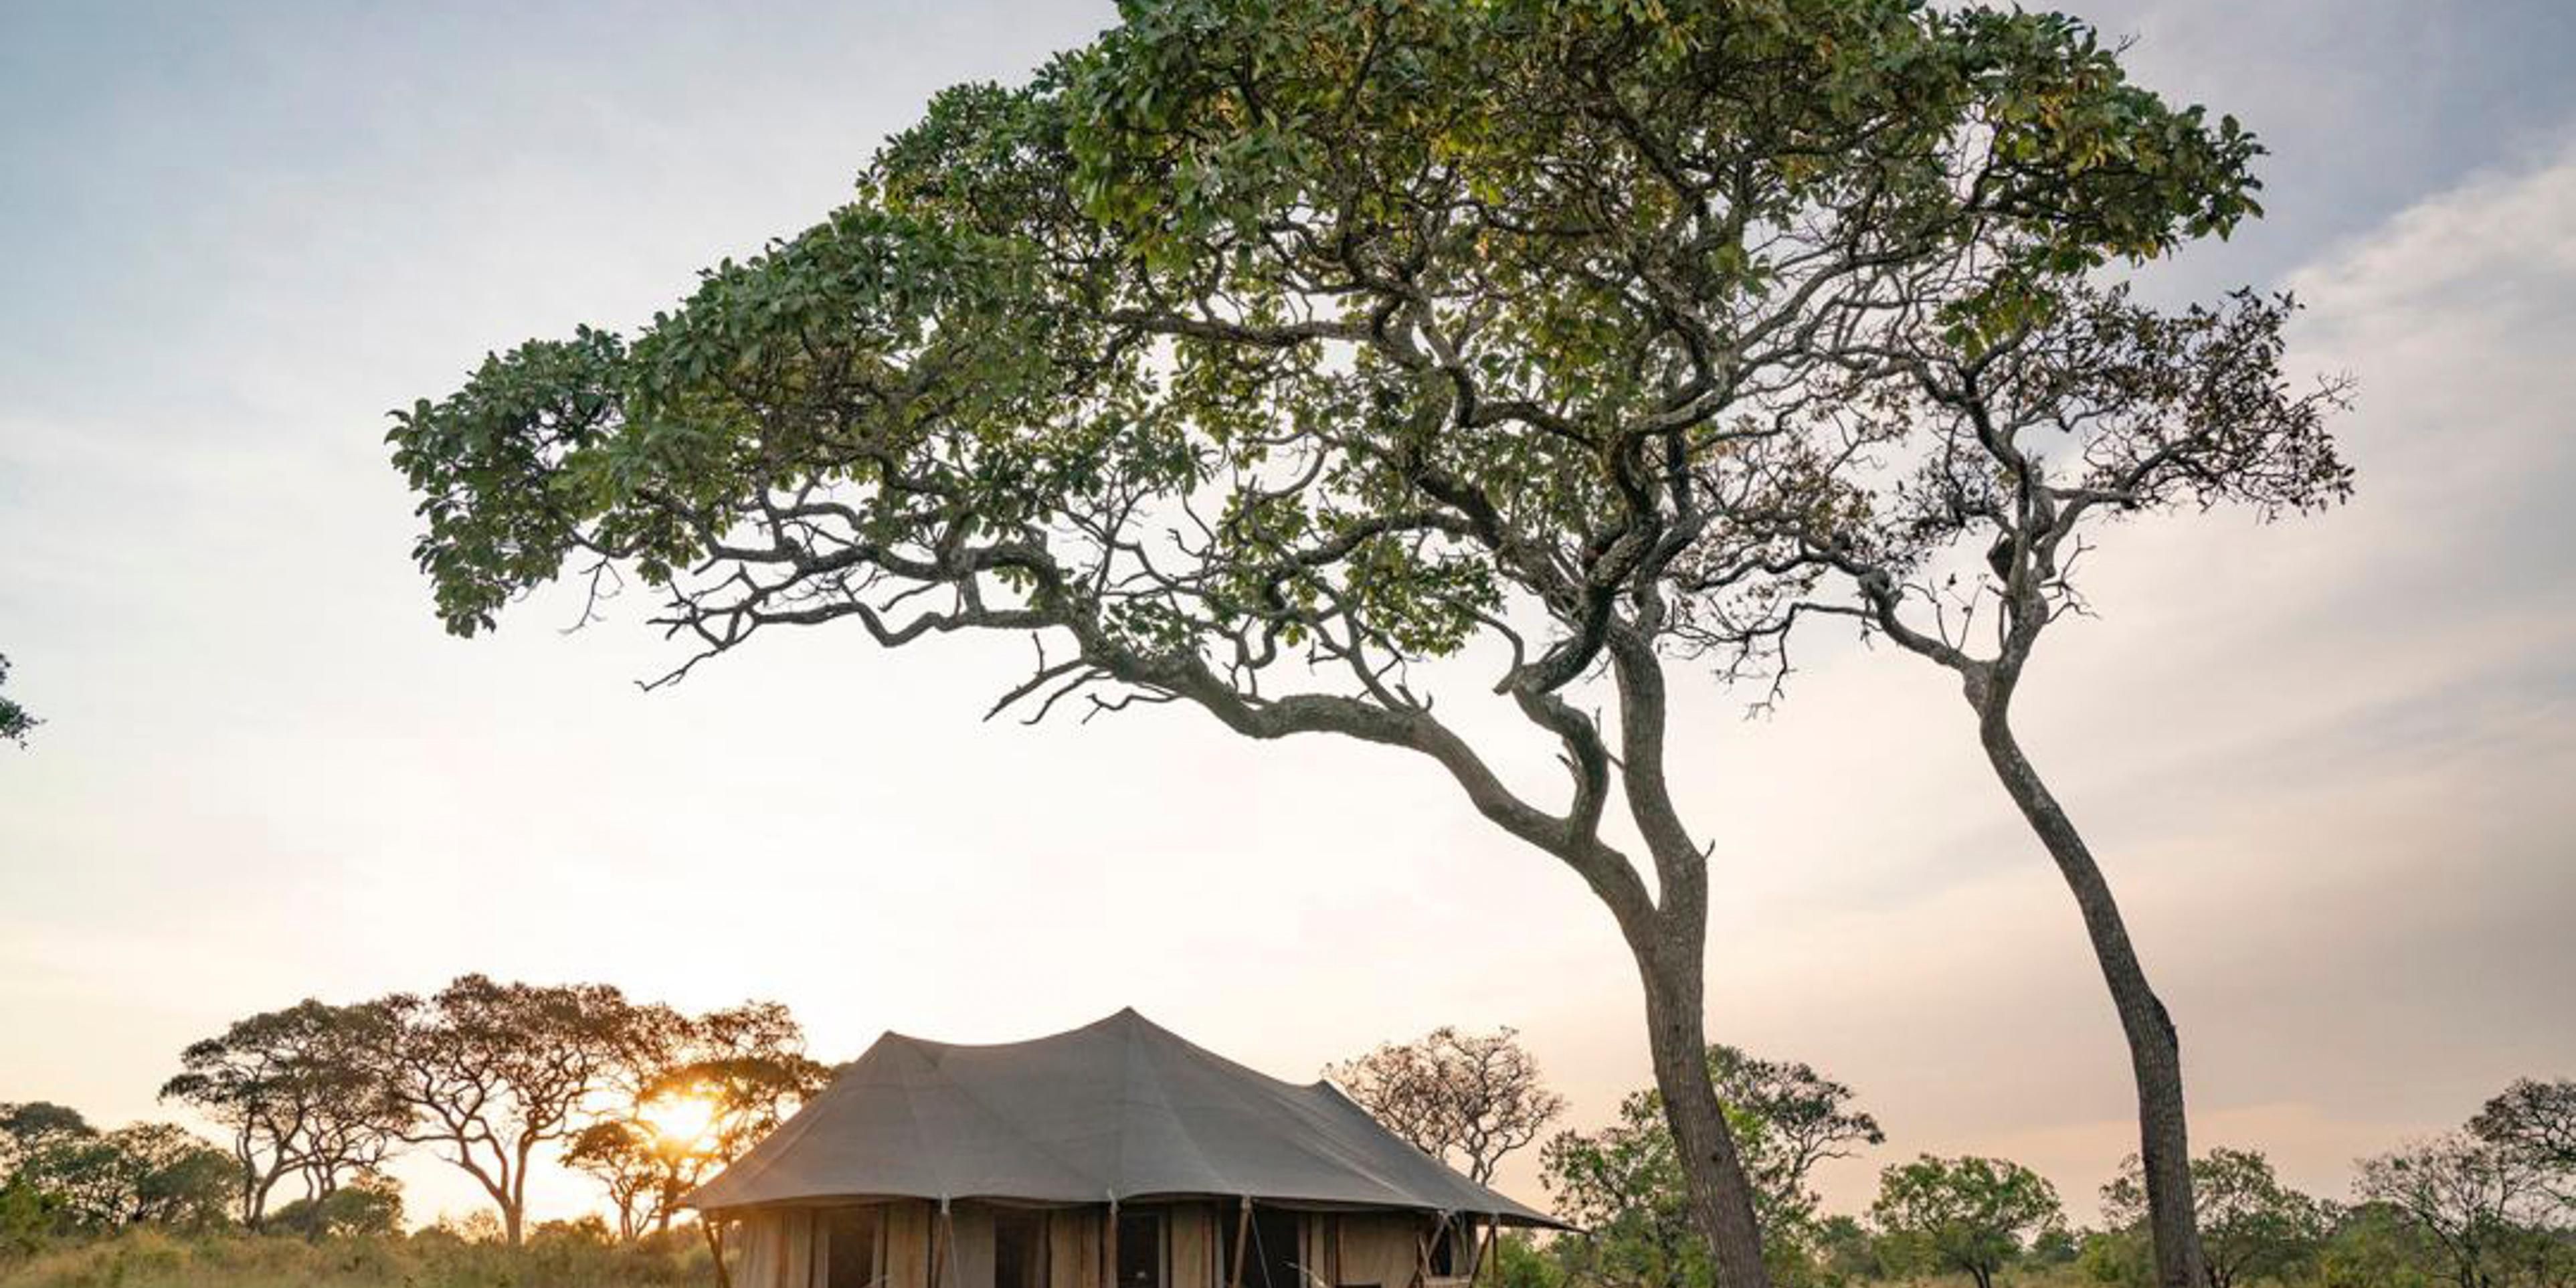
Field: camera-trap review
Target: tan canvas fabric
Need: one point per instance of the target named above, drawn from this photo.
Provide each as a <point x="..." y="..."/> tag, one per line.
<point x="759" y="1236"/>
<point x="1193" y="1246"/>
<point x="907" y="1244"/>
<point x="778" y="1250"/>
<point x="1383" y="1249"/>
<point x="1073" y="1248"/>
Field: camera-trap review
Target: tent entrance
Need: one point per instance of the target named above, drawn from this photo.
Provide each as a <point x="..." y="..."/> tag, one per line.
<point x="1270" y="1260"/>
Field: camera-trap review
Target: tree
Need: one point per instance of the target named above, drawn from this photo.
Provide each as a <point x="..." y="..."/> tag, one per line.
<point x="491" y="1072"/>
<point x="1624" y="1184"/>
<point x="1259" y="356"/>
<point x="2536" y="1122"/>
<point x="370" y="1203"/>
<point x="1968" y="1214"/>
<point x="2474" y="1201"/>
<point x="2251" y="1225"/>
<point x="1788" y="1118"/>
<point x="2026" y="425"/>
<point x="15" y="721"/>
<point x="143" y="1174"/>
<point x="1469" y="1097"/>
<point x="690" y="1096"/>
<point x="28" y="1126"/>
<point x="300" y="1094"/>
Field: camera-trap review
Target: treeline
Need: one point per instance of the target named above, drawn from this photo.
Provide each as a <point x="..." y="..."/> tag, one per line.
<point x="2490" y="1205"/>
<point x="492" y="1078"/>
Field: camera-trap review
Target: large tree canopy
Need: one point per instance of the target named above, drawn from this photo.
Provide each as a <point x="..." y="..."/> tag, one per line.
<point x="1264" y="349"/>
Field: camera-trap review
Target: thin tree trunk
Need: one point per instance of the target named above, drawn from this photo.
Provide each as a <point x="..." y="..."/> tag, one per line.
<point x="2155" y="1053"/>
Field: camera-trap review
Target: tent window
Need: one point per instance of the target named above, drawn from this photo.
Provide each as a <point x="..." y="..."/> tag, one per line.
<point x="1019" y="1248"/>
<point x="850" y="1246"/>
<point x="1140" y="1249"/>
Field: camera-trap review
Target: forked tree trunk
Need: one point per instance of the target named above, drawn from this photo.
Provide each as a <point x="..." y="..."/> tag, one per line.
<point x="2155" y="1054"/>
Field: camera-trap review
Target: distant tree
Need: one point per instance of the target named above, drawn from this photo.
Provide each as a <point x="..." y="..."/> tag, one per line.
<point x="1470" y="1098"/>
<point x="2119" y="1256"/>
<point x="2375" y="1245"/>
<point x="301" y="1094"/>
<point x="490" y="1073"/>
<point x="1844" y="1248"/>
<point x="370" y="1203"/>
<point x="30" y="1213"/>
<point x="735" y="1074"/>
<point x="1967" y="1214"/>
<point x="1257" y="356"/>
<point x="2536" y="1122"/>
<point x="15" y="721"/>
<point x="1624" y="1186"/>
<point x="144" y="1174"/>
<point x="28" y="1126"/>
<point x="1788" y="1118"/>
<point x="2054" y="1246"/>
<point x="2251" y="1225"/>
<point x="2479" y="1204"/>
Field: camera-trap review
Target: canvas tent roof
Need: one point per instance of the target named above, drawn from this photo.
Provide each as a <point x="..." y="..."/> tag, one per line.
<point x="1118" y="1109"/>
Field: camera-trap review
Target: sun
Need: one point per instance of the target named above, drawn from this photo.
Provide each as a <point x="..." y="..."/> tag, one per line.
<point x="682" y="1119"/>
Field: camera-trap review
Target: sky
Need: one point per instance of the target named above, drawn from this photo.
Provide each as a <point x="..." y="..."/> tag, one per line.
<point x="2326" y="762"/>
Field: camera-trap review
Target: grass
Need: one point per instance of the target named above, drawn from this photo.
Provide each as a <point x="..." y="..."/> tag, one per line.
<point x="553" y="1258"/>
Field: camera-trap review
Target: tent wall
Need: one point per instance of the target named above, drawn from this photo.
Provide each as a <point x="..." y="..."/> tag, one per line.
<point x="791" y="1247"/>
<point x="1366" y="1249"/>
<point x="1193" y="1247"/>
<point x="777" y="1250"/>
<point x="1073" y="1248"/>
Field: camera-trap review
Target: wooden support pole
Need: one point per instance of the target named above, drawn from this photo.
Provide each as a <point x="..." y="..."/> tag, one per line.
<point x="1242" y="1241"/>
<point x="1109" y="1248"/>
<point x="934" y="1242"/>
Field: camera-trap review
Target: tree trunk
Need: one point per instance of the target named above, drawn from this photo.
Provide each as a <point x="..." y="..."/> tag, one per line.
<point x="1721" y="1196"/>
<point x="2155" y="1053"/>
<point x="1670" y="943"/>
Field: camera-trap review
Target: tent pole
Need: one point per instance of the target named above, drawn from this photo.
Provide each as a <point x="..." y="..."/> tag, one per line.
<point x="1242" y="1241"/>
<point x="1109" y="1246"/>
<point x="946" y="1220"/>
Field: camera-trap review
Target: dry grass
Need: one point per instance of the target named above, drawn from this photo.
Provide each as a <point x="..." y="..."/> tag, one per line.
<point x="150" y="1259"/>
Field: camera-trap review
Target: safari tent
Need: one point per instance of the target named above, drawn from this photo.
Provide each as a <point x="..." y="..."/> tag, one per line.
<point x="1113" y="1156"/>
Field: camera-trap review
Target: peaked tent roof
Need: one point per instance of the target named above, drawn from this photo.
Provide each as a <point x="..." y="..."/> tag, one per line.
<point x="1118" y="1109"/>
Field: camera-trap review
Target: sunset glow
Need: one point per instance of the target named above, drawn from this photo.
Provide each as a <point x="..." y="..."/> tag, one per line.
<point x="683" y="1120"/>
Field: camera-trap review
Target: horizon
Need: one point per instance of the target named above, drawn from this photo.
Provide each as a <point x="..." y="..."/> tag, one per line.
<point x="2324" y="768"/>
